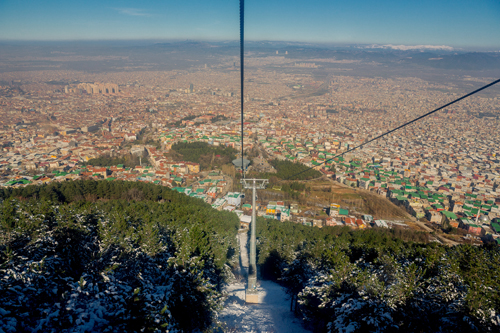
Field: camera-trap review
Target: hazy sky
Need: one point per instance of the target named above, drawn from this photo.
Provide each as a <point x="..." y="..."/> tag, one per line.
<point x="432" y="22"/>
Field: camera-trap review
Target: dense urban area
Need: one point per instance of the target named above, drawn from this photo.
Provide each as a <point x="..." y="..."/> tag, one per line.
<point x="443" y="169"/>
<point x="123" y="207"/>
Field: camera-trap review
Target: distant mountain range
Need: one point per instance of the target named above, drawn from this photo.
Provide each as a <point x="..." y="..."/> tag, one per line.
<point x="411" y="47"/>
<point x="435" y="56"/>
<point x="149" y="55"/>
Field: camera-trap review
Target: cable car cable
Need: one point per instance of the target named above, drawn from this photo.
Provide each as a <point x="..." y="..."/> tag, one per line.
<point x="242" y="75"/>
<point x="399" y="127"/>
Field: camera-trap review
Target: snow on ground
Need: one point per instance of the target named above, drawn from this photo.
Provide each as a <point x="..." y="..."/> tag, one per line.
<point x="272" y="314"/>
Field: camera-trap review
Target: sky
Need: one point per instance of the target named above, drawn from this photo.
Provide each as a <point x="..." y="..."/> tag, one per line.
<point x="457" y="23"/>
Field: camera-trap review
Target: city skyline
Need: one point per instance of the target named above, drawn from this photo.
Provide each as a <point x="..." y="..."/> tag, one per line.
<point x="457" y="24"/>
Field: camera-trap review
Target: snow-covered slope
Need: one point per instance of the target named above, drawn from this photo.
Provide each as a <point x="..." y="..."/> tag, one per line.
<point x="272" y="314"/>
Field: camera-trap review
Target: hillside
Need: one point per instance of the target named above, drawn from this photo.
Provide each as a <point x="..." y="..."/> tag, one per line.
<point x="206" y="155"/>
<point x="290" y="170"/>
<point x="379" y="280"/>
<point x="129" y="256"/>
<point x="120" y="257"/>
<point x="356" y="200"/>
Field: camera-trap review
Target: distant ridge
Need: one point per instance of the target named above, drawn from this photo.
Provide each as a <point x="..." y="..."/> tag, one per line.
<point x="411" y="47"/>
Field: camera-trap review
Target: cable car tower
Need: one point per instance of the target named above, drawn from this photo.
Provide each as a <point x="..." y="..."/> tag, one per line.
<point x="251" y="293"/>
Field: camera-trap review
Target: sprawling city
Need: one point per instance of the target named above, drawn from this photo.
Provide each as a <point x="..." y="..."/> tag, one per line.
<point x="141" y="190"/>
<point x="442" y="170"/>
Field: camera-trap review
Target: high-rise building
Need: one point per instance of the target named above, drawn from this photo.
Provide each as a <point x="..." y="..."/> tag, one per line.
<point x="191" y="88"/>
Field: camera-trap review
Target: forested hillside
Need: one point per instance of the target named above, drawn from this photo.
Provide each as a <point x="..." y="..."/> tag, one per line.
<point x="111" y="257"/>
<point x="381" y="280"/>
<point x="123" y="257"/>
<point x="290" y="170"/>
<point x="206" y="155"/>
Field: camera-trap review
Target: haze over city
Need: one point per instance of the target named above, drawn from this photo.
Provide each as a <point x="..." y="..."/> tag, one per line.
<point x="127" y="172"/>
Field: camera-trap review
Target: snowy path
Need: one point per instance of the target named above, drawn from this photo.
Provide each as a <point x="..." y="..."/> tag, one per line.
<point x="271" y="315"/>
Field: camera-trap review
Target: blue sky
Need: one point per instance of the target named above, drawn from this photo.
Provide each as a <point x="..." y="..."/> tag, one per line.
<point x="459" y="23"/>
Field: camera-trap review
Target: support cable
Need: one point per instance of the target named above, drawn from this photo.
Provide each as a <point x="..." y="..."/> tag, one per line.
<point x="401" y="126"/>
<point x="242" y="75"/>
